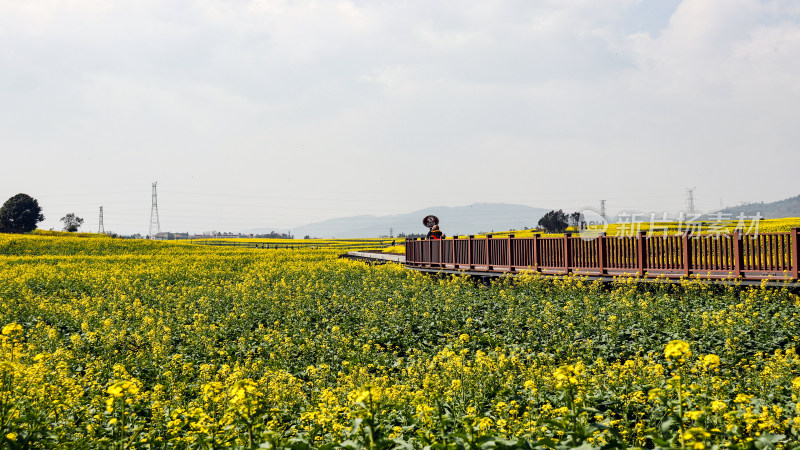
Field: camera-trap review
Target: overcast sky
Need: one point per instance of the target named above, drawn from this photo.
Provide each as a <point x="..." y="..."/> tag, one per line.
<point x="280" y="113"/>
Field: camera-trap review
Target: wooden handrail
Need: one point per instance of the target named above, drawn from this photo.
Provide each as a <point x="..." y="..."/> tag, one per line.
<point x="712" y="256"/>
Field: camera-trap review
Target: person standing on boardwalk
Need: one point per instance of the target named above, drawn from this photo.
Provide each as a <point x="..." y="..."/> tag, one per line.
<point x="435" y="233"/>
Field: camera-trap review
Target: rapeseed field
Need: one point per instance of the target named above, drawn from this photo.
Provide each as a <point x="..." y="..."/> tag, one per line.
<point x="134" y="344"/>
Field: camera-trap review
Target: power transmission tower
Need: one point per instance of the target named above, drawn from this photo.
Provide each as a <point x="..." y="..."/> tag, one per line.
<point x="155" y="224"/>
<point x="603" y="209"/>
<point x="690" y="200"/>
<point x="100" y="229"/>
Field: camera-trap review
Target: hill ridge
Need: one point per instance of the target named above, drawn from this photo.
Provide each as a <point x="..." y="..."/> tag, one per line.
<point x="469" y="219"/>
<point x="789" y="207"/>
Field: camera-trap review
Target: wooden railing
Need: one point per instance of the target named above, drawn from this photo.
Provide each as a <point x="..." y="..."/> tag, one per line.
<point x="748" y="257"/>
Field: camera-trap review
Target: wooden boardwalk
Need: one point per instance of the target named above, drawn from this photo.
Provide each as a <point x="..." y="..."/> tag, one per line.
<point x="382" y="258"/>
<point x="376" y="257"/>
<point x="757" y="257"/>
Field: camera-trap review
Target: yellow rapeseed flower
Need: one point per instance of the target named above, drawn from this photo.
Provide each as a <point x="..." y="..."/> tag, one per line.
<point x="119" y="388"/>
<point x="654" y="394"/>
<point x="13" y="327"/>
<point x="717" y="406"/>
<point x="693" y="415"/>
<point x="677" y="349"/>
<point x="711" y="361"/>
<point x="362" y="397"/>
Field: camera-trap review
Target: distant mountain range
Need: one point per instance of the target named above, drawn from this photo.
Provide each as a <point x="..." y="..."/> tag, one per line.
<point x="461" y="220"/>
<point x="481" y="218"/>
<point x="789" y="207"/>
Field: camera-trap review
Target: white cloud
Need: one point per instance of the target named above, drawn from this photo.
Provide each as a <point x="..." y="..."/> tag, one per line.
<point x="663" y="93"/>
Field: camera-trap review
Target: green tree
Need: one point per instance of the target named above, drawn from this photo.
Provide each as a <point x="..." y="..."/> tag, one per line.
<point x="575" y="219"/>
<point x="554" y="221"/>
<point x="71" y="222"/>
<point x="20" y="214"/>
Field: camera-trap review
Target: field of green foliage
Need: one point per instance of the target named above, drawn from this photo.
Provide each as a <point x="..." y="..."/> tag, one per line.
<point x="133" y="344"/>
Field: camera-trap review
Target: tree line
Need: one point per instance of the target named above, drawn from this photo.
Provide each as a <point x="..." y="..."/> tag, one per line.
<point x="558" y="221"/>
<point x="21" y="213"/>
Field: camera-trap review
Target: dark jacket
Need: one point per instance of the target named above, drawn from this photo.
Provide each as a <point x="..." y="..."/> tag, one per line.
<point x="435" y="234"/>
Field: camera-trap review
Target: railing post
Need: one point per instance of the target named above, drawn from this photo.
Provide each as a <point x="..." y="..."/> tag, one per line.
<point x="510" y="255"/>
<point x="441" y="244"/>
<point x="470" y="264"/>
<point x="536" y="252"/>
<point x="795" y="232"/>
<point x="640" y="251"/>
<point x="455" y="263"/>
<point x="686" y="255"/>
<point x="488" y="237"/>
<point x="738" y="255"/>
<point x="428" y="244"/>
<point x="601" y="253"/>
<point x="567" y="258"/>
